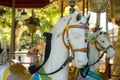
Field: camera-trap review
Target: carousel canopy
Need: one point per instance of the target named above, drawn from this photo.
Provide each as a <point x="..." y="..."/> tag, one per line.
<point x="25" y="3"/>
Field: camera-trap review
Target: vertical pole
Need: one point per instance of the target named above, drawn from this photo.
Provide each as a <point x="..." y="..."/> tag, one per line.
<point x="87" y="5"/>
<point x="108" y="70"/>
<point x="83" y="9"/>
<point x="98" y="19"/>
<point x="76" y="73"/>
<point x="12" y="42"/>
<point x="62" y="8"/>
<point x="32" y="38"/>
<point x="107" y="21"/>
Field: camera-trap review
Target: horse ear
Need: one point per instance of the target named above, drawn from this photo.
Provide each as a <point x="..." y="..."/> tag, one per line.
<point x="79" y="13"/>
<point x="78" y="17"/>
<point x="88" y="17"/>
<point x="98" y="28"/>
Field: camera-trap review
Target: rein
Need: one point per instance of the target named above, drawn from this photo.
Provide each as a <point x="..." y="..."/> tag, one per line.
<point x="69" y="59"/>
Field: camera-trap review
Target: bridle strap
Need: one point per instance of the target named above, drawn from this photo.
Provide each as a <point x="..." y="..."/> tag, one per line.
<point x="110" y="46"/>
<point x="79" y="26"/>
<point x="69" y="59"/>
<point x="96" y="60"/>
<point x="80" y="50"/>
<point x="64" y="39"/>
<point x="102" y="47"/>
<point x="69" y="46"/>
<point x="96" y="42"/>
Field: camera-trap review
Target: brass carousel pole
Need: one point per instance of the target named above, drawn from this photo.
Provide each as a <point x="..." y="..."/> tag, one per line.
<point x="61" y="8"/>
<point x="108" y="66"/>
<point x="107" y="19"/>
<point x="98" y="19"/>
<point x="83" y="9"/>
<point x="12" y="42"/>
<point x="76" y="73"/>
<point x="32" y="34"/>
<point x="87" y="6"/>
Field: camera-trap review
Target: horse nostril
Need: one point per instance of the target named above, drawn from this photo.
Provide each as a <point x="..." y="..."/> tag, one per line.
<point x="81" y="23"/>
<point x="103" y="41"/>
<point x="100" y="33"/>
<point x="85" y="40"/>
<point x="78" y="17"/>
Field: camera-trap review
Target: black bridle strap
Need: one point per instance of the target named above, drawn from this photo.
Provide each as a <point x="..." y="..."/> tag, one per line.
<point x="97" y="60"/>
<point x="82" y="70"/>
<point x="88" y="65"/>
<point x="69" y="59"/>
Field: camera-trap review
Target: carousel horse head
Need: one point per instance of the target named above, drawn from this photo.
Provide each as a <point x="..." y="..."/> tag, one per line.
<point x="102" y="42"/>
<point x="98" y="41"/>
<point x="74" y="36"/>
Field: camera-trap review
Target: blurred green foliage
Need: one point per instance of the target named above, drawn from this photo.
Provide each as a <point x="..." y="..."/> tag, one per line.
<point x="48" y="17"/>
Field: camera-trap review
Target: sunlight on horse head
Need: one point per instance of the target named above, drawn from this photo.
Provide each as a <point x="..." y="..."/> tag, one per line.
<point x="78" y="34"/>
<point x="69" y="39"/>
<point x="79" y="44"/>
<point x="102" y="38"/>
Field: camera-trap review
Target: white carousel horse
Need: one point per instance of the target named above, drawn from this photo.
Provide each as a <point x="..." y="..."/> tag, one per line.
<point x="98" y="41"/>
<point x="65" y="38"/>
<point x="75" y="32"/>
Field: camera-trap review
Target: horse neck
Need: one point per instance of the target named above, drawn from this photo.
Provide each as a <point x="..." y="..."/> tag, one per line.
<point x="93" y="56"/>
<point x="57" y="44"/>
<point x="57" y="57"/>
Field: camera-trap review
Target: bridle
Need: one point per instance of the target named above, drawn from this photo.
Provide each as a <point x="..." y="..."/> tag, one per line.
<point x="68" y="44"/>
<point x="101" y="47"/>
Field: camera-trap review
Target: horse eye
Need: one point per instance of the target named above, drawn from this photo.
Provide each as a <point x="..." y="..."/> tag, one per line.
<point x="103" y="41"/>
<point x="81" y="23"/>
<point x="78" y="17"/>
<point x="100" y="33"/>
<point x="105" y="32"/>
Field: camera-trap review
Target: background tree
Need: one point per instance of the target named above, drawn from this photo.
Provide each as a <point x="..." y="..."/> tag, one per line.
<point x="48" y="17"/>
